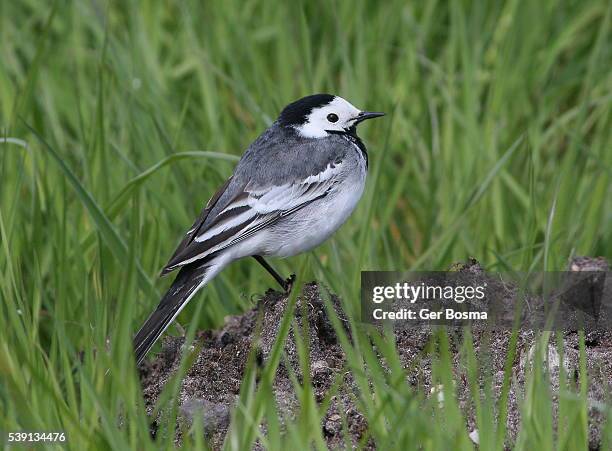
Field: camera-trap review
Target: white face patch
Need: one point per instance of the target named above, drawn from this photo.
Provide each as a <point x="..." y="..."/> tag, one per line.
<point x="322" y="119"/>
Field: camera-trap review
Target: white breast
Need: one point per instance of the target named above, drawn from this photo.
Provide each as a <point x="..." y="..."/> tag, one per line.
<point x="314" y="224"/>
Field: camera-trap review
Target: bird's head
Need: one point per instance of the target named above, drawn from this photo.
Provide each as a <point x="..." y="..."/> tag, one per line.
<point x="318" y="115"/>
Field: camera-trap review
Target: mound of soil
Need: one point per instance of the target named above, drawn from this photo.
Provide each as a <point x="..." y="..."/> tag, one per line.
<point x="212" y="384"/>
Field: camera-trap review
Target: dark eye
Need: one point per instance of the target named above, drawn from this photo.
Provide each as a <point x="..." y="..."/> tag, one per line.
<point x="332" y="117"/>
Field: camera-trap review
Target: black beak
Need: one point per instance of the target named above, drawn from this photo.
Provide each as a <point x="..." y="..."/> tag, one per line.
<point x="367" y="115"/>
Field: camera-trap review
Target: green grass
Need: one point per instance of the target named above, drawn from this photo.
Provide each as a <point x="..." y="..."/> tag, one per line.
<point x="118" y="121"/>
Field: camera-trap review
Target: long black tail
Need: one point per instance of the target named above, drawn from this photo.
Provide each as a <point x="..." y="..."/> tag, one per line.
<point x="186" y="284"/>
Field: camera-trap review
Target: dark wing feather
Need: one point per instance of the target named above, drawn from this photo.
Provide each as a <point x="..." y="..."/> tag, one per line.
<point x="195" y="228"/>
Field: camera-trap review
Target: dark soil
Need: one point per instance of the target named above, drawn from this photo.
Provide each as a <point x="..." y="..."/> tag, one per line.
<point x="212" y="384"/>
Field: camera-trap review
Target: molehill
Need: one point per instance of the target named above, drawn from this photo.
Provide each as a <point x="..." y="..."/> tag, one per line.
<point x="212" y="384"/>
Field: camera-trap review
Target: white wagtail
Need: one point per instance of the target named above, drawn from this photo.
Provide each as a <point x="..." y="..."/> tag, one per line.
<point x="293" y="188"/>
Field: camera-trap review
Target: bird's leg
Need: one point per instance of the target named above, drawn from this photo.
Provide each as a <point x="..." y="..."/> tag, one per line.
<point x="286" y="284"/>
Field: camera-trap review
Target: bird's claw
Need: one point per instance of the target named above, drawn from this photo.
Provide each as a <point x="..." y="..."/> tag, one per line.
<point x="288" y="284"/>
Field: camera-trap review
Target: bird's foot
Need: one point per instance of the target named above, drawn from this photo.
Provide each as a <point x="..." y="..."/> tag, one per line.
<point x="288" y="283"/>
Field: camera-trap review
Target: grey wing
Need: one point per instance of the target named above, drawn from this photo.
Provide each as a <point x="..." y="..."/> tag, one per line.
<point x="249" y="211"/>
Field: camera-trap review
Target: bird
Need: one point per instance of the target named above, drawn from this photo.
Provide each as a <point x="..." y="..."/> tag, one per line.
<point x="294" y="186"/>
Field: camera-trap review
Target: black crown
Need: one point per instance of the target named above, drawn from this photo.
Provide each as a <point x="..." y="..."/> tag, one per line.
<point x="297" y="112"/>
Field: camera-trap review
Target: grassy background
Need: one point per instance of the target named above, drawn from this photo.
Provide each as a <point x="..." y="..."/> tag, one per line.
<point x="497" y="145"/>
